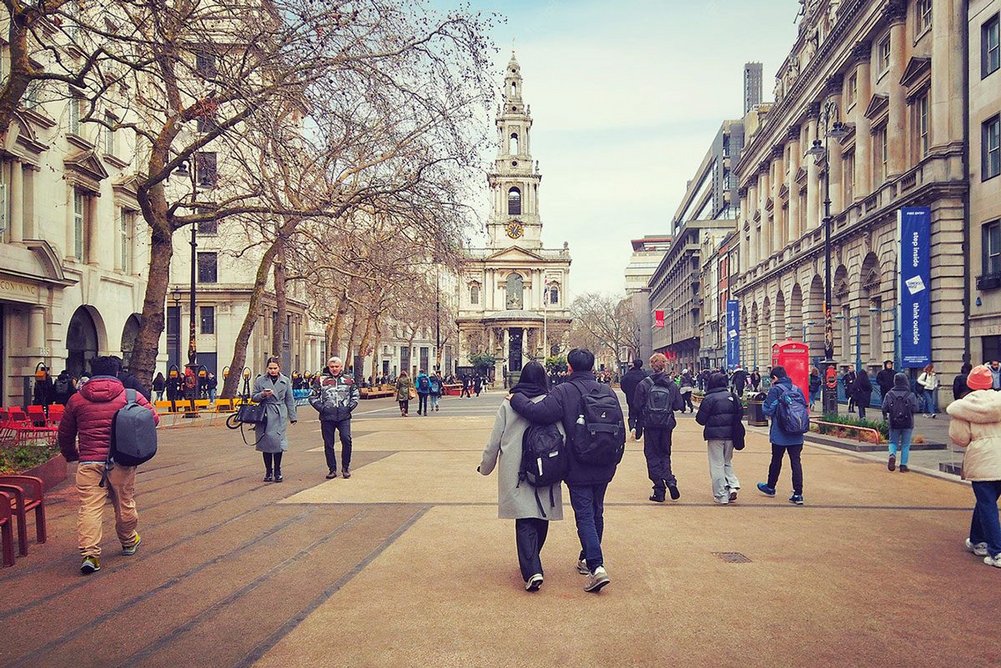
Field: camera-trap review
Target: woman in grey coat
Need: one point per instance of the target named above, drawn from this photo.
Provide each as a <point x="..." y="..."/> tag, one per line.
<point x="518" y="501"/>
<point x="273" y="390"/>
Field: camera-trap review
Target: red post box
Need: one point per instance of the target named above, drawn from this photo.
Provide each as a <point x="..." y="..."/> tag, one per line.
<point x="794" y="357"/>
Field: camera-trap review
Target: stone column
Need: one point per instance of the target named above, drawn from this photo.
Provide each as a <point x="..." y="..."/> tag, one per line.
<point x="36" y="331"/>
<point x="793" y="224"/>
<point x="813" y="188"/>
<point x="897" y="139"/>
<point x="764" y="190"/>
<point x="863" y="140"/>
<point x="946" y="97"/>
<point x="752" y="207"/>
<point x="16" y="196"/>
<point x="778" y="226"/>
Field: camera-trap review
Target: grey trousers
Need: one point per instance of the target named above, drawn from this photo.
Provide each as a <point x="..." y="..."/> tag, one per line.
<point x="724" y="480"/>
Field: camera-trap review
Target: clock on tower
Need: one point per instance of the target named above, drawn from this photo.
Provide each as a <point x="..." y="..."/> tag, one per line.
<point x="514" y="229"/>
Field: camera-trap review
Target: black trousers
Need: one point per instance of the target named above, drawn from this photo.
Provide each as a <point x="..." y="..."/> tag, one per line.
<point x="530" y="535"/>
<point x="687" y="396"/>
<point x="273" y="461"/>
<point x="634" y="416"/>
<point x="775" y="468"/>
<point x="422" y="404"/>
<point x="327" y="428"/>
<point x="657" y="450"/>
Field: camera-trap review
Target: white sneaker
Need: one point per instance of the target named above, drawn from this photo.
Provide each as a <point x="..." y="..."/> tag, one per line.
<point x="993" y="561"/>
<point x="598" y="579"/>
<point x="979" y="549"/>
<point x="584" y="570"/>
<point x="534" y="582"/>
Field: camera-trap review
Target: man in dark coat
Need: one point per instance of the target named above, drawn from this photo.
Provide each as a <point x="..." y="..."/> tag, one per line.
<point x="739" y="381"/>
<point x="334" y="399"/>
<point x="630" y="381"/>
<point x="719" y="412"/>
<point x="848" y="380"/>
<point x="959" y="387"/>
<point x="657" y="437"/>
<point x="587" y="484"/>
<point x="861" y="391"/>
<point x="885" y="378"/>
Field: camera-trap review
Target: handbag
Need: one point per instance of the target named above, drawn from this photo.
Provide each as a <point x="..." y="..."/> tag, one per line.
<point x="252" y="413"/>
<point x="412" y="393"/>
<point x="738" y="432"/>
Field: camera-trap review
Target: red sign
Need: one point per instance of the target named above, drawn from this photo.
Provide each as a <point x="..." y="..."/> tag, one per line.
<point x="658" y="319"/>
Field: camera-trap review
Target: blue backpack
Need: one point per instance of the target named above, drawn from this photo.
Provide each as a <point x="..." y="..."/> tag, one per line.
<point x="792" y="411"/>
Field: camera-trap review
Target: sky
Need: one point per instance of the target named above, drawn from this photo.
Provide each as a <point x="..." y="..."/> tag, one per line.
<point x="626" y="99"/>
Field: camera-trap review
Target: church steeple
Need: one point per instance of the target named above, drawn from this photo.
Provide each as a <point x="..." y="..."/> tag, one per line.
<point x="515" y="179"/>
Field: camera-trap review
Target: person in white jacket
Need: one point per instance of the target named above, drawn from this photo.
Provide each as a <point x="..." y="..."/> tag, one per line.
<point x="928" y="382"/>
<point x="976" y="426"/>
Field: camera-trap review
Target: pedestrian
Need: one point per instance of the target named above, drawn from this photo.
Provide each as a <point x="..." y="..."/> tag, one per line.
<point x="928" y="382"/>
<point x="63" y="388"/>
<point x="995" y="367"/>
<point x="436" y="388"/>
<point x="755" y="380"/>
<point x="899" y="407"/>
<point x="467" y="385"/>
<point x="719" y="412"/>
<point x="335" y="396"/>
<point x="783" y="442"/>
<point x="159" y="385"/>
<point x="587" y="483"/>
<point x="404" y="392"/>
<point x="885" y="378"/>
<point x="478" y="384"/>
<point x="423" y="385"/>
<point x="862" y="392"/>
<point x="44" y="391"/>
<point x="212" y="383"/>
<point x="659" y="397"/>
<point x="848" y="380"/>
<point x="686" y="387"/>
<point x="739" y="381"/>
<point x="173" y="385"/>
<point x="815" y="385"/>
<point x="516" y="499"/>
<point x="85" y="436"/>
<point x="273" y="390"/>
<point x="976" y="426"/>
<point x="959" y="387"/>
<point x="629" y="383"/>
<point x="128" y="380"/>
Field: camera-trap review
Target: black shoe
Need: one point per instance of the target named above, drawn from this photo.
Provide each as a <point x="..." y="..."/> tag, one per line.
<point x="268" y="477"/>
<point x="675" y="494"/>
<point x="332" y="473"/>
<point x="346" y="473"/>
<point x="279" y="478"/>
<point x="903" y="468"/>
<point x="657" y="496"/>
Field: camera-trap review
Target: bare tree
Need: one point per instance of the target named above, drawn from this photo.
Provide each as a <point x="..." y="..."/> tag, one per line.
<point x="604" y="323"/>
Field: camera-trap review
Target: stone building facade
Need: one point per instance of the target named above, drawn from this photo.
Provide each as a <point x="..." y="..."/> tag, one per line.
<point x="513" y="294"/>
<point x="893" y="72"/>
<point x="647" y="255"/>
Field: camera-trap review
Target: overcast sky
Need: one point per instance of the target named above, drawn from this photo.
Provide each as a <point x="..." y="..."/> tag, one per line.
<point x="626" y="98"/>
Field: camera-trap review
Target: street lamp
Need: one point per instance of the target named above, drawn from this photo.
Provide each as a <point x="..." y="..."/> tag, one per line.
<point x="176" y="296"/>
<point x="806" y="326"/>
<point x="833" y="127"/>
<point x="191" y="374"/>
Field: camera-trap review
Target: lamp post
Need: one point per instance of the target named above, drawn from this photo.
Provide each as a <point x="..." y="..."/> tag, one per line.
<point x="821" y="154"/>
<point x="176" y="296"/>
<point x="437" y="320"/>
<point x="191" y="373"/>
<point x="807" y="326"/>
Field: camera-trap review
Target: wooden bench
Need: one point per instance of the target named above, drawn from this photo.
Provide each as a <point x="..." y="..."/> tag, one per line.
<point x="376" y="392"/>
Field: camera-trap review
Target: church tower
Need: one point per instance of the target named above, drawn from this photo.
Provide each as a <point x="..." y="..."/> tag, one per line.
<point x="514" y="180"/>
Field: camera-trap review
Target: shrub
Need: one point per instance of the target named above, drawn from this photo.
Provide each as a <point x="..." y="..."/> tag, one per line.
<point x="24" y="457"/>
<point x="880" y="426"/>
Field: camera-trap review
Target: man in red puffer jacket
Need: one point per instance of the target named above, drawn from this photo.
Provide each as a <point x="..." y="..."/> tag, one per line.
<point x="89" y="416"/>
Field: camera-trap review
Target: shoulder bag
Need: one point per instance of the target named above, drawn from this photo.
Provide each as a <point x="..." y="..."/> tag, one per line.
<point x="737" y="432"/>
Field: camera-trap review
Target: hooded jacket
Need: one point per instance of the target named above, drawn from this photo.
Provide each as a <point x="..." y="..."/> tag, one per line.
<point x="88" y="418"/>
<point x="776" y="434"/>
<point x="901" y="392"/>
<point x="718" y="412"/>
<point x="630" y="381"/>
<point x="976" y="426"/>
<point x="643" y="389"/>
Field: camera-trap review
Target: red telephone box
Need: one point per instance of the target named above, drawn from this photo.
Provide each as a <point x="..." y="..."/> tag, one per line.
<point x="794" y="357"/>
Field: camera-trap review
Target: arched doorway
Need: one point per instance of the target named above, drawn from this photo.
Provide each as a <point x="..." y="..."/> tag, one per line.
<point x="81" y="342"/>
<point x="129" y="333"/>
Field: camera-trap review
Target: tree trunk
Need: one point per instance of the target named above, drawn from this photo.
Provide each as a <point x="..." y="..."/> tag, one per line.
<point x="281" y="302"/>
<point x="142" y="362"/>
<point x="375" y="355"/>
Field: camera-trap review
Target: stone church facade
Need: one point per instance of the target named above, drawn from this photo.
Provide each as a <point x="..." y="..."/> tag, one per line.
<point x="513" y="294"/>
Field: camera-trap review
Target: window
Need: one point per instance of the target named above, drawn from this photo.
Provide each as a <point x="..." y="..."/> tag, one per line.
<point x="921" y="118"/>
<point x="515" y="292"/>
<point x="474" y="294"/>
<point x="991" y="247"/>
<point x="207" y="319"/>
<point x="32" y="95"/>
<point x="514" y="143"/>
<point x="991" y="148"/>
<point x="883" y="55"/>
<point x="208" y="226"/>
<point x="922" y="10"/>
<point x="205" y="169"/>
<point x="207" y="267"/>
<point x="554" y="294"/>
<point x="875" y="328"/>
<point x="514" y="202"/>
<point x="79" y="208"/>
<point x="852" y="91"/>
<point x="990" y="46"/>
<point x="849" y="175"/>
<point x="108" y="135"/>
<point x="74" y="111"/>
<point x="126" y="225"/>
<point x="205" y="65"/>
<point x="880" y="156"/>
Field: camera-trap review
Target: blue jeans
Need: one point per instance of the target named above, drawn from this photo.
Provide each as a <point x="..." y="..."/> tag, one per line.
<point x="985" y="527"/>
<point x="901" y="438"/>
<point x="435" y="398"/>
<point x="588" y="503"/>
<point x="930" y="401"/>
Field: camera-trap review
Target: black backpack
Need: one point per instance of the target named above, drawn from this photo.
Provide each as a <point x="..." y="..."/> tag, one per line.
<point x="544" y="460"/>
<point x="659" y="410"/>
<point x="423" y="384"/>
<point x="62" y="386"/>
<point x="792" y="412"/>
<point x="133" y="433"/>
<point x="599" y="437"/>
<point x="899" y="412"/>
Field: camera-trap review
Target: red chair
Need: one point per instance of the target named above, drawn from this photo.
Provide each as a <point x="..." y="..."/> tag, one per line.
<point x="6" y="530"/>
<point x="56" y="412"/>
<point x="26" y="432"/>
<point x="37" y="415"/>
<point x="26" y="493"/>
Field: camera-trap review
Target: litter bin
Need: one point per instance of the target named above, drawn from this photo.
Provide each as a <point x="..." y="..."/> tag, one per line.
<point x="755" y="410"/>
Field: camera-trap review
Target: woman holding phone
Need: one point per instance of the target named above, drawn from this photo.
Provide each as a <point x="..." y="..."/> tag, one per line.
<point x="273" y="390"/>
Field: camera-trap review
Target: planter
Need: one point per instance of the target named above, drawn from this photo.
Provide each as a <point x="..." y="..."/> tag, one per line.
<point x="51" y="472"/>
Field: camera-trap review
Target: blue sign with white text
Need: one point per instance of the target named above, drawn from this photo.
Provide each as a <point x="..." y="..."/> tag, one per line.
<point x="732" y="334"/>
<point x="914" y="224"/>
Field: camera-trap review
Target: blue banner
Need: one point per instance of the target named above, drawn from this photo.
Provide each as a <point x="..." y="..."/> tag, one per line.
<point x="914" y="225"/>
<point x="732" y="334"/>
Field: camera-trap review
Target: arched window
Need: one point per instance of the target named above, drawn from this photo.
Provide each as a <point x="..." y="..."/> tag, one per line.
<point x="514" y="143"/>
<point x="474" y="293"/>
<point x="554" y="294"/>
<point x="514" y="202"/>
<point x="514" y="88"/>
<point x="515" y="292"/>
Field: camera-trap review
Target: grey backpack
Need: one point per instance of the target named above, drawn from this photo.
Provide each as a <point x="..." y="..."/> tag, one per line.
<point x="133" y="433"/>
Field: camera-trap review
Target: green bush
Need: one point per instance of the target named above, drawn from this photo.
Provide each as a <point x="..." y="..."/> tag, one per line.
<point x="24" y="457"/>
<point x="879" y="425"/>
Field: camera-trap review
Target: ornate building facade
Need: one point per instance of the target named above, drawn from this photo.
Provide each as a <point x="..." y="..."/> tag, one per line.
<point x="513" y="294"/>
<point x="893" y="73"/>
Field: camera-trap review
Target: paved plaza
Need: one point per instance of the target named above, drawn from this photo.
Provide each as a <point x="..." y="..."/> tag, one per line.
<point x="406" y="563"/>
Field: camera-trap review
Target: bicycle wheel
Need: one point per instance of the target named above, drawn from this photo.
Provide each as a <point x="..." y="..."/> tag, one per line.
<point x="233" y="422"/>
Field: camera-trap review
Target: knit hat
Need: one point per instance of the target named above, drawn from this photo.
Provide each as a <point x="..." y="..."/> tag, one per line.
<point x="980" y="378"/>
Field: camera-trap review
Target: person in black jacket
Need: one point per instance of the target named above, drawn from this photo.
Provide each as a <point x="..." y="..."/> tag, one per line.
<point x="861" y="391"/>
<point x="901" y="421"/>
<point x="630" y="381"/>
<point x="335" y="396"/>
<point x="885" y="378"/>
<point x="657" y="438"/>
<point x="959" y="387"/>
<point x="587" y="484"/>
<point x="739" y="381"/>
<point x="718" y="412"/>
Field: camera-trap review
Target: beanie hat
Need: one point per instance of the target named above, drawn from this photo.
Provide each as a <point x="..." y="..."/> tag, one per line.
<point x="980" y="378"/>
